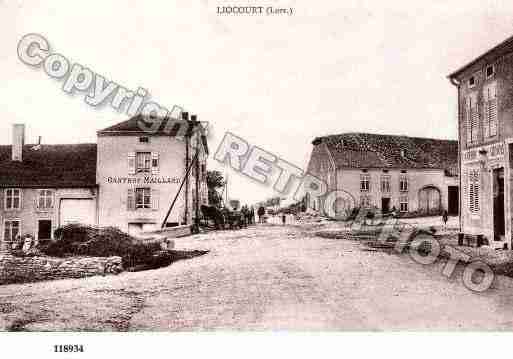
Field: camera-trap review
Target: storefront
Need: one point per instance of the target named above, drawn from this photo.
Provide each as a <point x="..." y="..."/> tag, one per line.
<point x="486" y="193"/>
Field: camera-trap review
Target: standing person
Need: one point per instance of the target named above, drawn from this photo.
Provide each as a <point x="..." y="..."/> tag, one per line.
<point x="252" y="215"/>
<point x="261" y="212"/>
<point x="445" y="217"/>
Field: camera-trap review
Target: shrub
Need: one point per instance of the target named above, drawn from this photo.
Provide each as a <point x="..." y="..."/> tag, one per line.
<point x="81" y="240"/>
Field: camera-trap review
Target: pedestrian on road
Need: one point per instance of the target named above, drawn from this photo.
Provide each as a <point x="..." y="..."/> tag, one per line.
<point x="261" y="212"/>
<point x="445" y="217"/>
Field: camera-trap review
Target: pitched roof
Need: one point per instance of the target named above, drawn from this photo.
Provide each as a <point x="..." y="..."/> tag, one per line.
<point x="51" y="166"/>
<point x="144" y="125"/>
<point x="365" y="150"/>
<point x="506" y="44"/>
<point x="140" y="124"/>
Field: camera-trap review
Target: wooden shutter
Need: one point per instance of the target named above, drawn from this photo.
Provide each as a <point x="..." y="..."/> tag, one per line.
<point x="492" y="104"/>
<point x="130" y="202"/>
<point x="155" y="163"/>
<point x="154" y="198"/>
<point x="131" y="163"/>
<point x="21" y="198"/>
<point x="475" y="121"/>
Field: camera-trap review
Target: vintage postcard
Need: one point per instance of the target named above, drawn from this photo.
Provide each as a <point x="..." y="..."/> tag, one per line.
<point x="285" y="166"/>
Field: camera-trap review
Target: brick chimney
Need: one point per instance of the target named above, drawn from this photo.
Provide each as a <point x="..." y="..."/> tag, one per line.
<point x="18" y="140"/>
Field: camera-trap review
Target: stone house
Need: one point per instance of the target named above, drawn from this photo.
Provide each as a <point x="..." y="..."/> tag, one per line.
<point x="386" y="172"/>
<point x="127" y="180"/>
<point x="485" y="127"/>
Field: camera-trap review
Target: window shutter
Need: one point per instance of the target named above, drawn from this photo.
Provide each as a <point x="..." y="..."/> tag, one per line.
<point x="131" y="163"/>
<point x="492" y="93"/>
<point x="154" y="198"/>
<point x="486" y="121"/>
<point x="475" y="122"/>
<point x="36" y="200"/>
<point x="155" y="163"/>
<point x="130" y="202"/>
<point x="21" y="198"/>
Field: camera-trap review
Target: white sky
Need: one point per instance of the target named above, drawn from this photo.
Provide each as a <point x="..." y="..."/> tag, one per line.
<point x="335" y="66"/>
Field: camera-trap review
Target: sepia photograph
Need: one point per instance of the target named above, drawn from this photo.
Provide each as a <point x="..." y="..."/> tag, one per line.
<point x="312" y="169"/>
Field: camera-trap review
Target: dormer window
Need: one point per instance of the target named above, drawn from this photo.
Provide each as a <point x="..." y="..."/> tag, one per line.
<point x="490" y="71"/>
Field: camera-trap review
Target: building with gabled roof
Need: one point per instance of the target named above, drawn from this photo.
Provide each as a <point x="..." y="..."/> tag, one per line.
<point x="128" y="179"/>
<point x="387" y="172"/>
<point x="485" y="134"/>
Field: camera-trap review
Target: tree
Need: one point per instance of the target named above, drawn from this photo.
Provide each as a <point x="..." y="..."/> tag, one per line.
<point x="215" y="181"/>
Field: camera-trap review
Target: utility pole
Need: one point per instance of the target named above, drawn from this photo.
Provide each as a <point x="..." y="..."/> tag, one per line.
<point x="185" y="117"/>
<point x="196" y="219"/>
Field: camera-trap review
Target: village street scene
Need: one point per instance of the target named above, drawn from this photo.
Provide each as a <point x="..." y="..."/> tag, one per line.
<point x="344" y="192"/>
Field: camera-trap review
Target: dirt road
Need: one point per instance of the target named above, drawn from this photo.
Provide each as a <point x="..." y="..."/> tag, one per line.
<point x="263" y="278"/>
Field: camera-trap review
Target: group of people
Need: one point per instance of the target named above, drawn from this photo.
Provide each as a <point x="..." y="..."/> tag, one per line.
<point x="249" y="214"/>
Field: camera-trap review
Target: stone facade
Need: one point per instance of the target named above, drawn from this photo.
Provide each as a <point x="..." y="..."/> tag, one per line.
<point x="485" y="114"/>
<point x="44" y="186"/>
<point x="31" y="269"/>
<point x="116" y="181"/>
<point x="364" y="166"/>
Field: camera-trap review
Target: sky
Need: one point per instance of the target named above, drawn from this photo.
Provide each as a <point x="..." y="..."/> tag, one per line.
<point x="276" y="81"/>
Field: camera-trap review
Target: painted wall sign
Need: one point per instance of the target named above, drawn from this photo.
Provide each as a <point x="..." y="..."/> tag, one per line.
<point x="493" y="152"/>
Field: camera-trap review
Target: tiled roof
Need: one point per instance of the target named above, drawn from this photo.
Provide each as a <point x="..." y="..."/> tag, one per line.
<point x="140" y="124"/>
<point x="365" y="150"/>
<point x="50" y="166"/>
<point x="143" y="125"/>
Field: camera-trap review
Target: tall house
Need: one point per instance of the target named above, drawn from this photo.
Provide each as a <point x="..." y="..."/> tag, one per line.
<point x="485" y="126"/>
<point x="129" y="179"/>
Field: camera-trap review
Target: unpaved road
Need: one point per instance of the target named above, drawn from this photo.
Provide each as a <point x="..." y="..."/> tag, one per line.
<point x="263" y="278"/>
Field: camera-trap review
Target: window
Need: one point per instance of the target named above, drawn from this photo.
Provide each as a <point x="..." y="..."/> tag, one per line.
<point x="45" y="199"/>
<point x="11" y="230"/>
<point x="12" y="198"/>
<point x="403" y="203"/>
<point x="471" y="82"/>
<point x="472" y="118"/>
<point x="142" y="198"/>
<point x="403" y="183"/>
<point x="143" y="162"/>
<point x="385" y="184"/>
<point x="490" y="71"/>
<point x="144" y="139"/>
<point x="364" y="183"/>
<point x="490" y="110"/>
<point x="473" y="199"/>
<point x="365" y="201"/>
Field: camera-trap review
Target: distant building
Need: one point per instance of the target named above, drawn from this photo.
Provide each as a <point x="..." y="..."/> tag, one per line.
<point x="384" y="172"/>
<point x="127" y="180"/>
<point x="485" y="122"/>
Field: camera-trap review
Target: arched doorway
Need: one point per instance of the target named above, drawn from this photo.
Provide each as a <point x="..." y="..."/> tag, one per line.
<point x="429" y="199"/>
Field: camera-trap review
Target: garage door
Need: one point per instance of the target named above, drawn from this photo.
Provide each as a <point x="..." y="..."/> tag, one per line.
<point x="77" y="211"/>
<point x="429" y="200"/>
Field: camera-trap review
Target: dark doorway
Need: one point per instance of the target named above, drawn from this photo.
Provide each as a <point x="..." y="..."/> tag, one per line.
<point x="385" y="205"/>
<point x="453" y="205"/>
<point x="44" y="229"/>
<point x="498" y="204"/>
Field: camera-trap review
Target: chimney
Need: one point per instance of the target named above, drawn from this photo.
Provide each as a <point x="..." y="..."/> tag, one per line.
<point x="18" y="140"/>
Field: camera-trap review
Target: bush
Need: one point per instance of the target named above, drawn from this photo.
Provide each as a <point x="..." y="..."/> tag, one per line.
<point x="81" y="240"/>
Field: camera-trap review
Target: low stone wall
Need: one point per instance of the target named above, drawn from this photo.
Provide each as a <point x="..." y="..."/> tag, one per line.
<point x="31" y="269"/>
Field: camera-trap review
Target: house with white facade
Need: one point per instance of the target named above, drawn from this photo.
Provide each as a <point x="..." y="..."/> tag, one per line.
<point x="128" y="179"/>
<point x="387" y="172"/>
